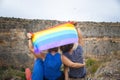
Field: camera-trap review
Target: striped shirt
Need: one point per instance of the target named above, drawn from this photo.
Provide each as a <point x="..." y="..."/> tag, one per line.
<point x="76" y="56"/>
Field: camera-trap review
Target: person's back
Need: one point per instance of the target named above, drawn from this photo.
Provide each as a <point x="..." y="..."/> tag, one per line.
<point x="76" y="56"/>
<point x="38" y="70"/>
<point x="52" y="65"/>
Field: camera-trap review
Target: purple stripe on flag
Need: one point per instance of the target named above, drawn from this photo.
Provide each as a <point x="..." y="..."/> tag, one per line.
<point x="56" y="44"/>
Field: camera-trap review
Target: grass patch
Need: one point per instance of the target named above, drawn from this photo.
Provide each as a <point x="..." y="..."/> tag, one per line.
<point x="12" y="73"/>
<point x="92" y="65"/>
<point x="90" y="62"/>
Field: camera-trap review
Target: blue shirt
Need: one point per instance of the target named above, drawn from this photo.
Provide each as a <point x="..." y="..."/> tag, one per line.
<point x="37" y="73"/>
<point x="52" y="65"/>
<point x="76" y="56"/>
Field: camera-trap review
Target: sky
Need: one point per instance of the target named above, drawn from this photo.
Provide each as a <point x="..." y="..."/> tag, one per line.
<point x="62" y="10"/>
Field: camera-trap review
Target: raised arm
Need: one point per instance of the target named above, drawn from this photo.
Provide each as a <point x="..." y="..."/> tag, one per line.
<point x="30" y="45"/>
<point x="69" y="63"/>
<point x="80" y="37"/>
<point x="80" y="40"/>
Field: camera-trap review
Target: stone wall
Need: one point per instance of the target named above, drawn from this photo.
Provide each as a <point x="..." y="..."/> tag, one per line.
<point x="100" y="38"/>
<point x="13" y="48"/>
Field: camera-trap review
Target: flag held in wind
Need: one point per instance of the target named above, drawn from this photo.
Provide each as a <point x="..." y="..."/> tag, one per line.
<point x="54" y="37"/>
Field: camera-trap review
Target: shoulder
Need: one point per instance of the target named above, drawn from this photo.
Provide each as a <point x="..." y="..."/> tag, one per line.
<point x="58" y="55"/>
<point x="66" y="54"/>
<point x="77" y="46"/>
<point x="47" y="55"/>
<point x="79" y="49"/>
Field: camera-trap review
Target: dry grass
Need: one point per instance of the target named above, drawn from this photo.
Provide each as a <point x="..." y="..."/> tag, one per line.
<point x="8" y="73"/>
<point x="93" y="62"/>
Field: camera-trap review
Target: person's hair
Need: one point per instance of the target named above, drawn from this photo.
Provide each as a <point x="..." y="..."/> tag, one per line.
<point x="66" y="48"/>
<point x="53" y="49"/>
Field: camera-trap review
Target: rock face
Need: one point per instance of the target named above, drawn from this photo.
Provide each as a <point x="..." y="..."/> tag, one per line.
<point x="13" y="48"/>
<point x="109" y="70"/>
<point x="100" y="38"/>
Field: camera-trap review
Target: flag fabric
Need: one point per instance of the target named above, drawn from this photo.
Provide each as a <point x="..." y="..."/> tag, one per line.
<point x="54" y="37"/>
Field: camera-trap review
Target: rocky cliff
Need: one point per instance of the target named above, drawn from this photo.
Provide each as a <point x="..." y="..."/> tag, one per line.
<point x="100" y="39"/>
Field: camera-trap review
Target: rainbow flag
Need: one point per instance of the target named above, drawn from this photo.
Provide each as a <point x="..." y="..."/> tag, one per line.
<point x="54" y="37"/>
